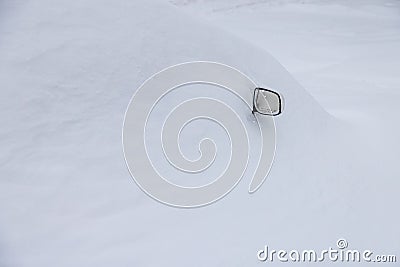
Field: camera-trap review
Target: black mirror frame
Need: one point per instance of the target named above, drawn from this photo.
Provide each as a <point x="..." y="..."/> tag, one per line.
<point x="254" y="100"/>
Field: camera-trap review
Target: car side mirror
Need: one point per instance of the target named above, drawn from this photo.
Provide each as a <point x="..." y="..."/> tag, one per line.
<point x="267" y="102"/>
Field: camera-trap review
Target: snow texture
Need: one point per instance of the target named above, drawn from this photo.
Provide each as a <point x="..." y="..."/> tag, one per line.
<point x="69" y="68"/>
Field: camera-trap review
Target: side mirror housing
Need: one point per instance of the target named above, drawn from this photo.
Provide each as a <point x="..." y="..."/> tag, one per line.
<point x="267" y="102"/>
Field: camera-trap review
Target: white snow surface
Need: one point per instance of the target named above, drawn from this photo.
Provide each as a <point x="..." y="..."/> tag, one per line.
<point x="69" y="68"/>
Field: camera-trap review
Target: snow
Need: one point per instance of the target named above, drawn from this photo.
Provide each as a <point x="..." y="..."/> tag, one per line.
<point x="67" y="73"/>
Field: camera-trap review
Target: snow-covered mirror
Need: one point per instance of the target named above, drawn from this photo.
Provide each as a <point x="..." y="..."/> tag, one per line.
<point x="267" y="102"/>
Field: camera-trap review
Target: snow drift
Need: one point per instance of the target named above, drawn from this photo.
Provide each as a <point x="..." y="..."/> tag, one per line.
<point x="67" y="72"/>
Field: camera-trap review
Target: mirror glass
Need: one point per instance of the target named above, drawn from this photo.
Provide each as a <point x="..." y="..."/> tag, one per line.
<point x="267" y="102"/>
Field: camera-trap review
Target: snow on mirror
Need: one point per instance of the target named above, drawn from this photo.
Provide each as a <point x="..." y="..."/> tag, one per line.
<point x="267" y="102"/>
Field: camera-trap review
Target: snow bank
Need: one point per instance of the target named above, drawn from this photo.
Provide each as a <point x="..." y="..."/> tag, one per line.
<point x="67" y="72"/>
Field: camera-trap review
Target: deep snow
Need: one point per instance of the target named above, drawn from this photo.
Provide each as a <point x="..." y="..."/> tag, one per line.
<point x="68" y="70"/>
